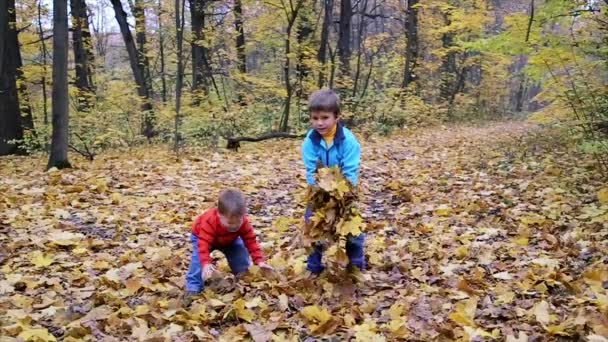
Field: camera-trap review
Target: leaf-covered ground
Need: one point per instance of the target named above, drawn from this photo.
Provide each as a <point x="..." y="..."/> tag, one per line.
<point x="473" y="233"/>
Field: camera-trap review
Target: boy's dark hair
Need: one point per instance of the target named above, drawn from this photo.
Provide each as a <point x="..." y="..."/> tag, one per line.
<point x="325" y="100"/>
<point x="232" y="202"/>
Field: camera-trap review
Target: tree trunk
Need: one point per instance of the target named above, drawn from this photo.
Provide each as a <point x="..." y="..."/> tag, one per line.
<point x="360" y="37"/>
<point x="27" y="121"/>
<point x="161" y="43"/>
<point x="291" y="18"/>
<point x="140" y="35"/>
<point x="521" y="90"/>
<point x="304" y="32"/>
<point x="240" y="36"/>
<point x="59" y="142"/>
<point x="240" y="46"/>
<point x="448" y="65"/>
<point x="344" y="50"/>
<point x="138" y="70"/>
<point x="10" y="116"/>
<point x="322" y="55"/>
<point x="411" y="51"/>
<point x="44" y="53"/>
<point x="179" y="34"/>
<point x="83" y="54"/>
<point x="200" y="53"/>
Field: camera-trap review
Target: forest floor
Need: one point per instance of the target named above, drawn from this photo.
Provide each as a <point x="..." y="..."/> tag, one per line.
<point x="473" y="232"/>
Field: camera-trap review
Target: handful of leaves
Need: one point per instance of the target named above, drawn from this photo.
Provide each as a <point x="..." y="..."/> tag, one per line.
<point x="335" y="216"/>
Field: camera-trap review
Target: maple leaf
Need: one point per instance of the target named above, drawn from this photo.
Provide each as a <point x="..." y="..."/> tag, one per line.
<point x="241" y="312"/>
<point x="353" y="227"/>
<point x="464" y="313"/>
<point x="37" y="334"/>
<point x="40" y="260"/>
<point x="315" y="314"/>
<point x="602" y="196"/>
<point x="541" y="312"/>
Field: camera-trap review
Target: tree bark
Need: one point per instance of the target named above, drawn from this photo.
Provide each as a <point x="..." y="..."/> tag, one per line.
<point x="44" y="53"/>
<point x="448" y="65"/>
<point x="161" y="43"/>
<point x="83" y="54"/>
<point x="292" y="14"/>
<point x="521" y="90"/>
<point x="322" y="55"/>
<point x="411" y="50"/>
<point x="344" y="50"/>
<point x="240" y="36"/>
<point x="140" y="36"/>
<point x="200" y="53"/>
<point x="179" y="34"/>
<point x="10" y="116"/>
<point x="138" y="70"/>
<point x="60" y="109"/>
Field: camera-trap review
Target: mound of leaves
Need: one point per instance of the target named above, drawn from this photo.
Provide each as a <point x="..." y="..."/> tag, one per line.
<point x="335" y="216"/>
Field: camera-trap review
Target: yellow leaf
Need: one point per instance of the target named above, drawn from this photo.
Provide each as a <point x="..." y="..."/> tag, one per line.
<point x="541" y="312"/>
<point x="522" y="241"/>
<point x="461" y="252"/>
<point x="414" y="246"/>
<point x="602" y="196"/>
<point x="398" y="329"/>
<point x="464" y="313"/>
<point x="506" y="297"/>
<point x="443" y="210"/>
<point x="315" y="314"/>
<point x="558" y="329"/>
<point x="241" y="311"/>
<point x="395" y="311"/>
<point x="115" y="197"/>
<point x="472" y="332"/>
<point x="40" y="260"/>
<point x="33" y="334"/>
<point x="367" y="332"/>
<point x="353" y="226"/>
<point x="342" y="187"/>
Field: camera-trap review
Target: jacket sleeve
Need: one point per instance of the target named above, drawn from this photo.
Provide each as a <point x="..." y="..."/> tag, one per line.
<point x="205" y="240"/>
<point x="310" y="160"/>
<point x="249" y="239"/>
<point x="351" y="160"/>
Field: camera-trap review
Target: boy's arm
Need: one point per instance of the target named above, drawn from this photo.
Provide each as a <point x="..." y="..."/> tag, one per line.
<point x="351" y="159"/>
<point x="310" y="160"/>
<point x="249" y="239"/>
<point x="205" y="240"/>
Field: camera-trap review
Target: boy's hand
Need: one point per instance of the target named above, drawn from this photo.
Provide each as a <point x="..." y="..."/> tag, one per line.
<point x="208" y="271"/>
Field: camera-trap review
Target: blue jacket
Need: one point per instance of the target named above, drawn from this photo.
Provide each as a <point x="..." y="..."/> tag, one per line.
<point x="345" y="152"/>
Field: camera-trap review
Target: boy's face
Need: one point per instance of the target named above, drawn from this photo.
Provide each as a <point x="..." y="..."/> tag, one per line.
<point x="323" y="121"/>
<point x="232" y="223"/>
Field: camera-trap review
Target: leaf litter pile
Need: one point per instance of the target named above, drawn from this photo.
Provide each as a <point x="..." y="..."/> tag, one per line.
<point x="335" y="217"/>
<point x="473" y="233"/>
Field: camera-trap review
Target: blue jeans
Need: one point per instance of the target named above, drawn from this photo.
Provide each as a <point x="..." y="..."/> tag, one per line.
<point x="238" y="260"/>
<point x="354" y="251"/>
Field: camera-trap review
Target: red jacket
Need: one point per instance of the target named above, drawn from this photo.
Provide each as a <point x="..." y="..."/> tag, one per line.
<point x="211" y="234"/>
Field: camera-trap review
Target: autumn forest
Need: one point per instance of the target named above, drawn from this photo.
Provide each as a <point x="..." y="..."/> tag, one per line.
<point x="483" y="180"/>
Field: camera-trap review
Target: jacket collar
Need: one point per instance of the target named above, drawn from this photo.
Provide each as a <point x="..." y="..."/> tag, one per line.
<point x="316" y="137"/>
